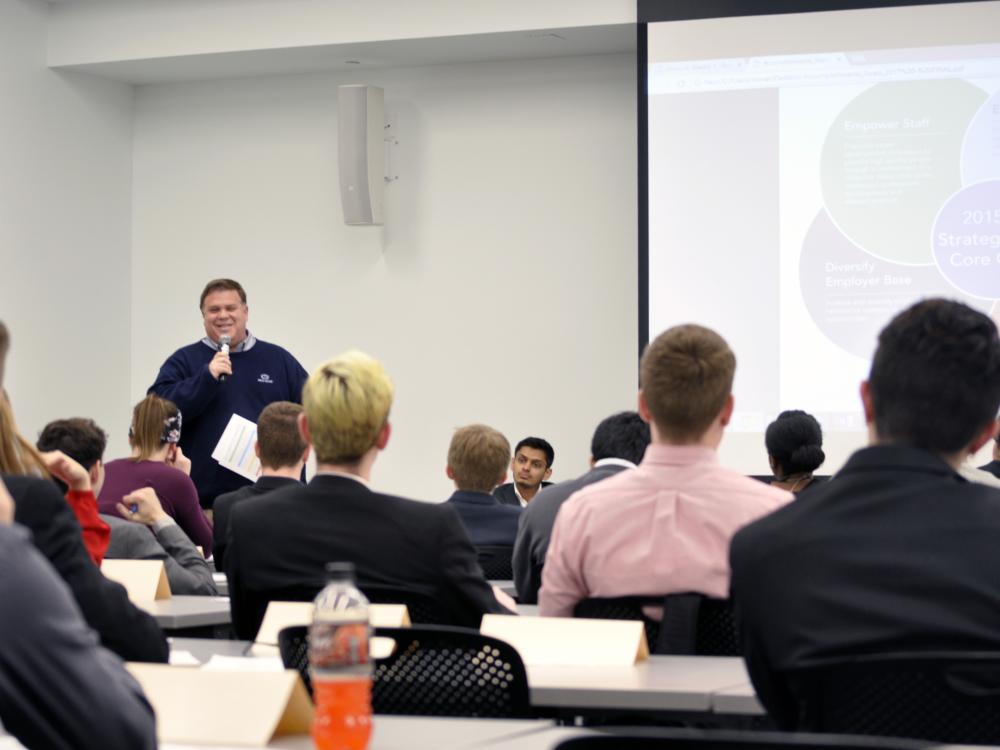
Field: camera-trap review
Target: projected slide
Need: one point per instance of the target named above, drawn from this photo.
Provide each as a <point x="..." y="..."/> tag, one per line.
<point x="844" y="186"/>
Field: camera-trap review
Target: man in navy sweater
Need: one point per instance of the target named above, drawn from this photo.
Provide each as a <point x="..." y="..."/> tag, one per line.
<point x="209" y="384"/>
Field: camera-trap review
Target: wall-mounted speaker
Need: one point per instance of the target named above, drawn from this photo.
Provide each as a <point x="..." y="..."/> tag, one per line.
<point x="361" y="152"/>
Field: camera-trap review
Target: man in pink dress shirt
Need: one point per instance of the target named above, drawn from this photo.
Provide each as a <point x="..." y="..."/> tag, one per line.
<point x="664" y="527"/>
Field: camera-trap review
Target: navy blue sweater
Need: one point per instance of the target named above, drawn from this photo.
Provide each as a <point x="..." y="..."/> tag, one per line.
<point x="261" y="375"/>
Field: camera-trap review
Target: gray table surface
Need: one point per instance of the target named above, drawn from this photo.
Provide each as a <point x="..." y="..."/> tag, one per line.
<point x="403" y="733"/>
<point x="189" y="611"/>
<point x="664" y="683"/>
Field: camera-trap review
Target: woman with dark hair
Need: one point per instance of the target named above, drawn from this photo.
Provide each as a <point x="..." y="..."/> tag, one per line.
<point x="794" y="449"/>
<point x="158" y="462"/>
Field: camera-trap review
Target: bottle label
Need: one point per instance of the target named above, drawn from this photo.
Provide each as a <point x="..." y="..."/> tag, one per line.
<point x="339" y="649"/>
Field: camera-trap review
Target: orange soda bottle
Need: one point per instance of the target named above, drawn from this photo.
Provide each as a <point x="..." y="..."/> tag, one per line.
<point x="339" y="665"/>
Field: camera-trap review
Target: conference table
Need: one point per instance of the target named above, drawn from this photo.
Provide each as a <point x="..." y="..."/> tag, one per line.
<point x="403" y="733"/>
<point x="685" y="684"/>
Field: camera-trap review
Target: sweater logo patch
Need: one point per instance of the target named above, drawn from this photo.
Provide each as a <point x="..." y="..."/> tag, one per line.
<point x="264" y="378"/>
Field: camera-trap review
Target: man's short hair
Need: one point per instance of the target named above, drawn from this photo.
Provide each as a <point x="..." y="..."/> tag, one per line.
<point x="79" y="438"/>
<point x="935" y="377"/>
<point x="686" y="374"/>
<point x="539" y="444"/>
<point x="478" y="457"/>
<point x="622" y="435"/>
<point x="346" y="402"/>
<point x="222" y="285"/>
<point x="281" y="445"/>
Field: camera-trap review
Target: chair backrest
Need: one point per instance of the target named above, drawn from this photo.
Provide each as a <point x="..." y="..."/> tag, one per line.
<point x="698" y="625"/>
<point x="659" y="738"/>
<point x="423" y="608"/>
<point x="623" y="608"/>
<point x="434" y="671"/>
<point x="445" y="671"/>
<point x="293" y="645"/>
<point x="496" y="562"/>
<point x="941" y="697"/>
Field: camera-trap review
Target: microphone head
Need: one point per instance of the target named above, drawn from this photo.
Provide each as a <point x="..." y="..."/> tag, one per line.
<point x="224" y="340"/>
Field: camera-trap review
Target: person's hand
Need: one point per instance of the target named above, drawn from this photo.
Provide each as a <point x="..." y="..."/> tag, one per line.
<point x="178" y="460"/>
<point x="146" y="504"/>
<point x="6" y="506"/>
<point x="67" y="470"/>
<point x="220" y="365"/>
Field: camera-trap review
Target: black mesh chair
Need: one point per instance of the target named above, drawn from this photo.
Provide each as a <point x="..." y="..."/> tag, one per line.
<point x="495" y="562"/>
<point x="698" y="625"/>
<point x="940" y="697"/>
<point x="423" y="608"/>
<point x="623" y="608"/>
<point x="692" y="624"/>
<point x="434" y="671"/>
<point x="442" y="671"/>
<point x="655" y="738"/>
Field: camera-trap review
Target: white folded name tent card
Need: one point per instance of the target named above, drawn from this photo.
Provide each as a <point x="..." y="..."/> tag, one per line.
<point x="280" y="615"/>
<point x="246" y="708"/>
<point x="570" y="641"/>
<point x="144" y="580"/>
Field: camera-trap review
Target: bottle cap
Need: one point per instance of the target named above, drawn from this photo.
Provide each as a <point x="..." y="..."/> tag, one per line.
<point x="340" y="570"/>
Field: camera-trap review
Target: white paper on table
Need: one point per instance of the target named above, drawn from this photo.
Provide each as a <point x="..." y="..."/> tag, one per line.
<point x="234" y="450"/>
<point x="220" y="663"/>
<point x="183" y="659"/>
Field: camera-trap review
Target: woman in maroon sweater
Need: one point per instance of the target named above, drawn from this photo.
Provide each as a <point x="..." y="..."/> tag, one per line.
<point x="157" y="462"/>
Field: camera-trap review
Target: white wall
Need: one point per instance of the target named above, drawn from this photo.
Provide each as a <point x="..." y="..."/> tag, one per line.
<point x="502" y="288"/>
<point x="65" y="182"/>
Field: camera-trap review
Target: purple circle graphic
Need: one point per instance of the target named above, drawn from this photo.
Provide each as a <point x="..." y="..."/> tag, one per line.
<point x="966" y="239"/>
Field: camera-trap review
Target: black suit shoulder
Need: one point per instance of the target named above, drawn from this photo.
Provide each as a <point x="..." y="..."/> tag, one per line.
<point x="122" y="627"/>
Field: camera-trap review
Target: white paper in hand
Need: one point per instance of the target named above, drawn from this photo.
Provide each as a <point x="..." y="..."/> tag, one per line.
<point x="235" y="448"/>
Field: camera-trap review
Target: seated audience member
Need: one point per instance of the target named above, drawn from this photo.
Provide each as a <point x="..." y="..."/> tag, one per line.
<point x="149" y="534"/>
<point x="55" y="532"/>
<point x="899" y="552"/>
<point x="531" y="466"/>
<point x="59" y="690"/>
<point x="21" y="458"/>
<point x="619" y="443"/>
<point x="993" y="467"/>
<point x="665" y="526"/>
<point x="282" y="453"/>
<point x="477" y="463"/>
<point x="284" y="539"/>
<point x="158" y="462"/>
<point x="794" y="444"/>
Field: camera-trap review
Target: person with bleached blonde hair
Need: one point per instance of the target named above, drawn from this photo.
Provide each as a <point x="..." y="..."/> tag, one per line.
<point x="282" y="541"/>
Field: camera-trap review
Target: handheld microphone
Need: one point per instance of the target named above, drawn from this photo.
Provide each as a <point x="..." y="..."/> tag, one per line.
<point x="224" y="348"/>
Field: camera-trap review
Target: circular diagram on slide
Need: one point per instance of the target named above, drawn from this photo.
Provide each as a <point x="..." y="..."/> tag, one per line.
<point x="910" y="179"/>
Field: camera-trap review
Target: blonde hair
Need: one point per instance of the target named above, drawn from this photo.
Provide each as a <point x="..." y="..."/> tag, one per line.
<point x="686" y="374"/>
<point x="478" y="456"/>
<point x="17" y="455"/>
<point x="346" y="402"/>
<point x="149" y="418"/>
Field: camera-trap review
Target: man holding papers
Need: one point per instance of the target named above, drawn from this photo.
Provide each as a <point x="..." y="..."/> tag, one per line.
<point x="229" y="371"/>
<point x="279" y="544"/>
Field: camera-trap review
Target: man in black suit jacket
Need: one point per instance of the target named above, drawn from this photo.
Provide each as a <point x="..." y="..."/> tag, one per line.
<point x="531" y="466"/>
<point x="898" y="552"/>
<point x="282" y="541"/>
<point x="619" y="442"/>
<point x="121" y="626"/>
<point x="477" y="460"/>
<point x="282" y="453"/>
